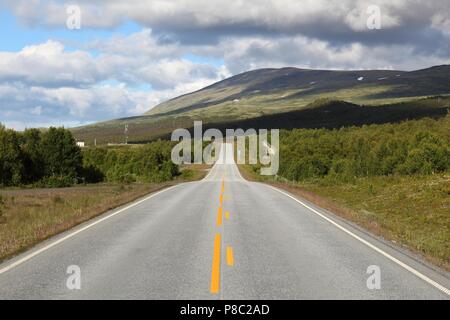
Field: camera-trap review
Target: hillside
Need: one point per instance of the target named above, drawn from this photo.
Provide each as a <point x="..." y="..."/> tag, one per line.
<point x="264" y="92"/>
<point x="295" y="87"/>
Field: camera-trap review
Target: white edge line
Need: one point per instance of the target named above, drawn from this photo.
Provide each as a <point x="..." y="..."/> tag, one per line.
<point x="209" y="173"/>
<point x="205" y="179"/>
<point x="239" y="172"/>
<point x="70" y="235"/>
<point x="403" y="265"/>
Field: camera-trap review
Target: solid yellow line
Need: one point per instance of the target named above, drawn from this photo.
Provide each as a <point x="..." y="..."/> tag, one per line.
<point x="230" y="260"/>
<point x="219" y="216"/>
<point x="227" y="215"/>
<point x="215" y="273"/>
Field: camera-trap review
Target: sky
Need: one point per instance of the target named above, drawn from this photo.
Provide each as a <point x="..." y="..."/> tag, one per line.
<point x="71" y="63"/>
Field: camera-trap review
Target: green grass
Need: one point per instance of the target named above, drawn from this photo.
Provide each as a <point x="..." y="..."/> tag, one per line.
<point x="413" y="210"/>
<point x="28" y="216"/>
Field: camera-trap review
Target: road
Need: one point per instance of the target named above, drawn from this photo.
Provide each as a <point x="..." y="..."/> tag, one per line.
<point x="178" y="244"/>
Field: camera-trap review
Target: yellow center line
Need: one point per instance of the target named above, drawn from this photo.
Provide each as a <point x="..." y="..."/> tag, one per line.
<point x="215" y="273"/>
<point x="219" y="216"/>
<point x="230" y="260"/>
<point x="221" y="199"/>
<point x="227" y="215"/>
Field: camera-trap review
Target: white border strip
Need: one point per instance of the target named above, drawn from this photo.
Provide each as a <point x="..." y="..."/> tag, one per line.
<point x="206" y="178"/>
<point x="74" y="233"/>
<point x="403" y="265"/>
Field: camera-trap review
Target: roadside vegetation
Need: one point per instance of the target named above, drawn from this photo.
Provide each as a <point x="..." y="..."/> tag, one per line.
<point x="51" y="158"/>
<point x="28" y="216"/>
<point x="146" y="163"/>
<point x="411" y="147"/>
<point x="393" y="179"/>
<point x="32" y="215"/>
<point x="48" y="184"/>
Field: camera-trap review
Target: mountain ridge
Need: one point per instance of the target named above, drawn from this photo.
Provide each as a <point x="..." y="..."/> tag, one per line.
<point x="290" y="78"/>
<point x="264" y="92"/>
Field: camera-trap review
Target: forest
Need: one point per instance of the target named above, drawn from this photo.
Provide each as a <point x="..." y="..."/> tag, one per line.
<point x="51" y="158"/>
<point x="407" y="148"/>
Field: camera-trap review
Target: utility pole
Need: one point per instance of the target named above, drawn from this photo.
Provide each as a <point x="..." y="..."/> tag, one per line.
<point x="126" y="134"/>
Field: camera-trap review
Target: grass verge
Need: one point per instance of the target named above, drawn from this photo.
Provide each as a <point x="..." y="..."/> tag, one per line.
<point x="412" y="211"/>
<point x="29" y="216"/>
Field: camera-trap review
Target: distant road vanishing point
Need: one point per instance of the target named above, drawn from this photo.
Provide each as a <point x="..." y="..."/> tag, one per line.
<point x="220" y="238"/>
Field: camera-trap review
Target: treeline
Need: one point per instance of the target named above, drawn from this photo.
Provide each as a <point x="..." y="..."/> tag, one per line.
<point x="34" y="157"/>
<point x="147" y="163"/>
<point x="51" y="158"/>
<point x="411" y="147"/>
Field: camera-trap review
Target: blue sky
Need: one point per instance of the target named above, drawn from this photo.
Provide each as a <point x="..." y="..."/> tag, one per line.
<point x="131" y="55"/>
<point x="16" y="35"/>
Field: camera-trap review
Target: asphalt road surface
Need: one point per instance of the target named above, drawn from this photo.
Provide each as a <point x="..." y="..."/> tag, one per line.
<point x="219" y="238"/>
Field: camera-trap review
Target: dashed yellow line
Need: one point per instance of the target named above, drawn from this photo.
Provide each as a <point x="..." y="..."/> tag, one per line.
<point x="219" y="216"/>
<point x="230" y="260"/>
<point x="215" y="273"/>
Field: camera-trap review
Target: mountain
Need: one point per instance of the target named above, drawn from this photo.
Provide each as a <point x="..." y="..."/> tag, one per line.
<point x="266" y="92"/>
<point x="292" y="87"/>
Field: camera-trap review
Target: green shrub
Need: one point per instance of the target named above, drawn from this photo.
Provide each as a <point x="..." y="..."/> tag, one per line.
<point x="11" y="164"/>
<point x="61" y="156"/>
<point x="56" y="182"/>
<point x="148" y="163"/>
<point x="49" y="158"/>
<point x="52" y="159"/>
<point x="344" y="154"/>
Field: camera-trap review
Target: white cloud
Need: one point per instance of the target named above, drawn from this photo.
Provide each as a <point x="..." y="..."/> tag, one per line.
<point x="259" y="52"/>
<point x="201" y="14"/>
<point x="357" y="17"/>
<point x="81" y="87"/>
<point x="441" y="21"/>
<point x="37" y="111"/>
<point x="48" y="64"/>
<point x="45" y="83"/>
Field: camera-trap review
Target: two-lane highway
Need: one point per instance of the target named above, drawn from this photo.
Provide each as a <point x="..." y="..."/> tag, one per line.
<point x="219" y="238"/>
